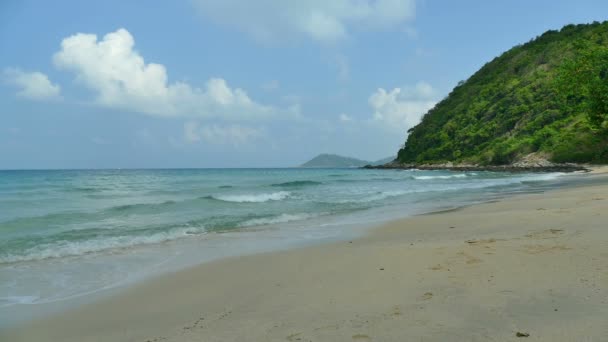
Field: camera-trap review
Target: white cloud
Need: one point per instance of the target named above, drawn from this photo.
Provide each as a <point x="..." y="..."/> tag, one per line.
<point x="400" y="108"/>
<point x="120" y="78"/>
<point x="320" y="20"/>
<point x="32" y="85"/>
<point x="345" y="118"/>
<point x="235" y="135"/>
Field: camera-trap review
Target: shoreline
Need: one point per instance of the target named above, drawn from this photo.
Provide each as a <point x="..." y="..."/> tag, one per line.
<point x="540" y="168"/>
<point x="410" y="271"/>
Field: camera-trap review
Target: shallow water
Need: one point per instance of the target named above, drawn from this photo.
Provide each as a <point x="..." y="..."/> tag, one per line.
<point x="65" y="234"/>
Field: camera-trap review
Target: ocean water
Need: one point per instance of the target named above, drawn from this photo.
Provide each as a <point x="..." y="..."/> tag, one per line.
<point x="67" y="234"/>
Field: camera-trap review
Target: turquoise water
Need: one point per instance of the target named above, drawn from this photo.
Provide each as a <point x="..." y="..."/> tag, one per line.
<point x="70" y="233"/>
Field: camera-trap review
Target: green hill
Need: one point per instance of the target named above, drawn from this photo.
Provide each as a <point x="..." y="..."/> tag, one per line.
<point x="548" y="96"/>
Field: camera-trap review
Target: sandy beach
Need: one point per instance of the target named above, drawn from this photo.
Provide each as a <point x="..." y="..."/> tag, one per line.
<point x="535" y="265"/>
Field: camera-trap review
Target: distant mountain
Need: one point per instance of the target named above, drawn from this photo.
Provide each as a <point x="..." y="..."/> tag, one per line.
<point x="383" y="161"/>
<point x="333" y="160"/>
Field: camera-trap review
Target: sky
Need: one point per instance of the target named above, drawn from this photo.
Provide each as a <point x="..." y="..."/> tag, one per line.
<point x="241" y="83"/>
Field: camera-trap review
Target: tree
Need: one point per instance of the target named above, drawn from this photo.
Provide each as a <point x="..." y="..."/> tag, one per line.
<point x="583" y="82"/>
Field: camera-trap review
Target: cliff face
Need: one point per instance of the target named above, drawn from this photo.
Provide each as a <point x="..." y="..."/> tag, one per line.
<point x="548" y="97"/>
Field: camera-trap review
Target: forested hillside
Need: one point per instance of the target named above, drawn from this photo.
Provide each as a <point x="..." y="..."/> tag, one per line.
<point x="549" y="95"/>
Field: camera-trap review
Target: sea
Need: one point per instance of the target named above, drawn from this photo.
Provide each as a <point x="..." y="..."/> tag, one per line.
<point x="76" y="234"/>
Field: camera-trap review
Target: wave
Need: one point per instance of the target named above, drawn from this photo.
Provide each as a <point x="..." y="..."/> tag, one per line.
<point x="377" y="196"/>
<point x="461" y="175"/>
<point x="12" y="300"/>
<point x="294" y="184"/>
<point x="85" y="189"/>
<point x="349" y="180"/>
<point x="283" y="218"/>
<point x="74" y="217"/>
<point x="385" y="194"/>
<point x="65" y="248"/>
<point x="386" y="179"/>
<point x="127" y="207"/>
<point x="543" y="177"/>
<point x="253" y="198"/>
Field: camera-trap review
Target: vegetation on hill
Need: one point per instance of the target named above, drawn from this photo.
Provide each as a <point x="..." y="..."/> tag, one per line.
<point x="549" y="96"/>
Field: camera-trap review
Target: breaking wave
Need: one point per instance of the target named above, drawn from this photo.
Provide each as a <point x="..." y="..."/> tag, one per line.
<point x="253" y="198"/>
<point x="296" y="184"/>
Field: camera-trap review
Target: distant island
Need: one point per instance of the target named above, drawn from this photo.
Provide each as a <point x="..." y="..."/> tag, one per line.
<point x="540" y="104"/>
<point x="335" y="161"/>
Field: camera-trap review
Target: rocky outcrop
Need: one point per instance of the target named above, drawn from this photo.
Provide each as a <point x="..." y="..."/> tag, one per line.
<point x="533" y="162"/>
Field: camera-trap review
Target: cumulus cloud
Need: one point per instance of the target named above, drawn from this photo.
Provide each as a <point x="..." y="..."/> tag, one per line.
<point x="235" y="135"/>
<point x="120" y="78"/>
<point x="32" y="85"/>
<point x="402" y="108"/>
<point x="320" y="20"/>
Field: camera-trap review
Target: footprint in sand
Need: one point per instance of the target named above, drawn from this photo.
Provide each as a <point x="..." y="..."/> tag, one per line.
<point x="294" y="337"/>
<point x="480" y="242"/>
<point x="472" y="260"/>
<point x="437" y="267"/>
<point x="469" y="259"/>
<point x="361" y="337"/>
<point x="538" y="249"/>
<point x="545" y="234"/>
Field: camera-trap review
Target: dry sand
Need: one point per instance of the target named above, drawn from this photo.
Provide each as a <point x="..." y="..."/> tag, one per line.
<point x="535" y="264"/>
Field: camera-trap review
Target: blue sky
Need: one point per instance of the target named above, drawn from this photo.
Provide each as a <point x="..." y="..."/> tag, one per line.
<point x="240" y="83"/>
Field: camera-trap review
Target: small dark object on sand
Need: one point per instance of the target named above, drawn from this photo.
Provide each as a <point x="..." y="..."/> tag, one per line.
<point x="521" y="334"/>
<point x="382" y="269"/>
<point x="452" y="227"/>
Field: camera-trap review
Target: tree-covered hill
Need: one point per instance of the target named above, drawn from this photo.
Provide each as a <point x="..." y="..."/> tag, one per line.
<point x="549" y="96"/>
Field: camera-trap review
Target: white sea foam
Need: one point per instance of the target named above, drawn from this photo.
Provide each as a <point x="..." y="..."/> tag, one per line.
<point x="12" y="300"/>
<point x="64" y="248"/>
<point x="378" y="196"/>
<point x="254" y="198"/>
<point x="386" y="194"/>
<point x="543" y="176"/>
<point x="461" y="175"/>
<point x="283" y="218"/>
